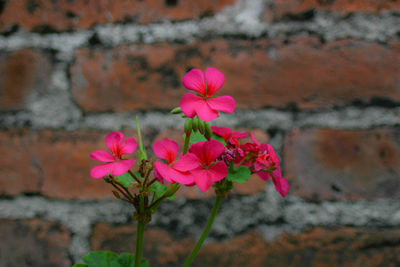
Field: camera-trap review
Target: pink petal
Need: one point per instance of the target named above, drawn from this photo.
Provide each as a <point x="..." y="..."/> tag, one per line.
<point x="239" y="135"/>
<point x="218" y="171"/>
<point x="201" y="178"/>
<point x="101" y="170"/>
<point x="204" y="111"/>
<point x="188" y="104"/>
<point x="281" y="186"/>
<point x="214" y="79"/>
<point x="222" y="103"/>
<point x="186" y="162"/>
<point x="102" y="155"/>
<point x="264" y="175"/>
<point x="197" y="148"/>
<point x="254" y="139"/>
<point x="128" y="146"/>
<point x="122" y="167"/>
<point x="224" y="132"/>
<point x="113" y="140"/>
<point x="272" y="154"/>
<point x="194" y="80"/>
<point x="163" y="170"/>
<point x="166" y="149"/>
<point x="212" y="149"/>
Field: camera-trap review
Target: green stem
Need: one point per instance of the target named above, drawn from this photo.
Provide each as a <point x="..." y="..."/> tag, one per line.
<point x="139" y="233"/>
<point x="186" y="146"/>
<point x="139" y="242"/>
<point x="207" y="229"/>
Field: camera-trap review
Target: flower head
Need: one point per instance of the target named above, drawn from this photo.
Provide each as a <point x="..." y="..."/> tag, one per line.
<point x="205" y="85"/>
<point x="173" y="171"/>
<point x="266" y="164"/>
<point x="209" y="170"/>
<point x="114" y="163"/>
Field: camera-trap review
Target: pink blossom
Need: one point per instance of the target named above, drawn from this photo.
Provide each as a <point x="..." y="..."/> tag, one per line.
<point x="227" y="133"/>
<point x="173" y="171"/>
<point x="209" y="171"/>
<point x="205" y="85"/>
<point x="266" y="164"/>
<point x="115" y="164"/>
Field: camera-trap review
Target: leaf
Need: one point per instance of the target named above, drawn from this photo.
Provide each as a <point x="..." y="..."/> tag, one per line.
<point x="239" y="175"/>
<point x="100" y="258"/>
<point x="80" y="265"/>
<point x="128" y="260"/>
<point x="218" y="138"/>
<point x="159" y="190"/>
<point x="198" y="137"/>
<point x="125" y="179"/>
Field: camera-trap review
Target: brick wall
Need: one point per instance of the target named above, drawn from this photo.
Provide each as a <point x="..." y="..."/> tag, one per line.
<point x="320" y="80"/>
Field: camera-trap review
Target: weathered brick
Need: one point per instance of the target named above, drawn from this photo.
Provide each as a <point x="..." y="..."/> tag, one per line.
<point x="22" y="74"/>
<point x="272" y="73"/>
<point x="31" y="243"/>
<point x="298" y="9"/>
<point x="318" y="247"/>
<point x="343" y="164"/>
<point x="252" y="186"/>
<point x="63" y="15"/>
<point x="53" y="163"/>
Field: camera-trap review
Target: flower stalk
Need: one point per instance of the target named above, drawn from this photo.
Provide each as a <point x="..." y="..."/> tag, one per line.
<point x="207" y="229"/>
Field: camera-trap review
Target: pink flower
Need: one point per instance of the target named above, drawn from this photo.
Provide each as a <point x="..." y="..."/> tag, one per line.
<point x="205" y="85"/>
<point x="173" y="171"/>
<point x="208" y="171"/>
<point x="227" y="133"/>
<point x="114" y="162"/>
<point x="266" y="165"/>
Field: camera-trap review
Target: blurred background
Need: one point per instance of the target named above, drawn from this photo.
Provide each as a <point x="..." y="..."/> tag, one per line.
<point x="318" y="79"/>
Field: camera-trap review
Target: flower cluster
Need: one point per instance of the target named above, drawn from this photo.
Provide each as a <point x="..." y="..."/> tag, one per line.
<point x="204" y="162"/>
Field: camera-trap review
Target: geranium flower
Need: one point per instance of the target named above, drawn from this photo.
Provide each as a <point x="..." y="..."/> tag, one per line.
<point x="203" y="104"/>
<point x="115" y="164"/>
<point x="208" y="171"/>
<point x="227" y="133"/>
<point x="266" y="164"/>
<point x="173" y="171"/>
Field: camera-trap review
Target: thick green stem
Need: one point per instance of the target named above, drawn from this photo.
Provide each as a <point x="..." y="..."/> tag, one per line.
<point x="139" y="233"/>
<point x="139" y="242"/>
<point x="207" y="229"/>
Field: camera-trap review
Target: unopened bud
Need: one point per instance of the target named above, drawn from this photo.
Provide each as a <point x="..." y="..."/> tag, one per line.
<point x="177" y="110"/>
<point x="195" y="124"/>
<point x="208" y="131"/>
<point x="188" y="126"/>
<point x="202" y="126"/>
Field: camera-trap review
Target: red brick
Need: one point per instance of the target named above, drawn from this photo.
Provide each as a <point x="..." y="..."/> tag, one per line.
<point x="343" y="164"/>
<point x="65" y="15"/>
<point x="252" y="186"/>
<point x="53" y="163"/>
<point x="287" y="8"/>
<point x="34" y="243"/>
<point x="318" y="247"/>
<point x="22" y="73"/>
<point x="275" y="73"/>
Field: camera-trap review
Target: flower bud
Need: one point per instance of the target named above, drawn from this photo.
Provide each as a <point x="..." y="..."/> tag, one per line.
<point x="177" y="110"/>
<point x="195" y="124"/>
<point x="188" y="126"/>
<point x="202" y="126"/>
<point x="208" y="131"/>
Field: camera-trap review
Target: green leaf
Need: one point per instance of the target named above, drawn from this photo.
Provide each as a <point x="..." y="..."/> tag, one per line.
<point x="239" y="175"/>
<point x="218" y="138"/>
<point x="159" y="190"/>
<point x="128" y="260"/>
<point x="125" y="179"/>
<point x="100" y="258"/>
<point x="80" y="265"/>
